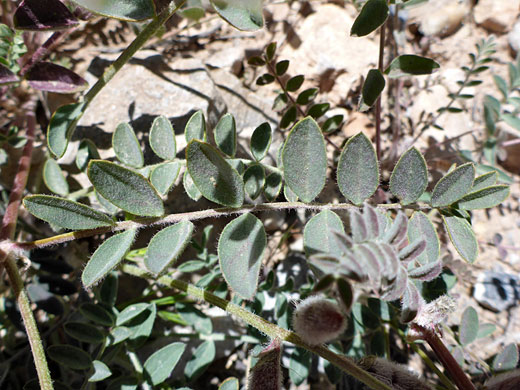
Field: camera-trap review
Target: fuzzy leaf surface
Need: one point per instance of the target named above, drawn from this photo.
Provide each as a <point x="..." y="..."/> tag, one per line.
<point x="163" y="176"/>
<point x="507" y="359"/>
<point x="243" y="15"/>
<point x="304" y="160"/>
<point x="162" y="138"/>
<point x="40" y="15"/>
<point x="126" y="146"/>
<point x="409" y="177"/>
<point x="485" y="198"/>
<point x="254" y="180"/>
<point x="49" y="77"/>
<point x="201" y="359"/>
<point x="372" y="15"/>
<point x="189" y="186"/>
<point x="101" y="371"/>
<point x="69" y="356"/>
<point x="196" y="127"/>
<point x="226" y="135"/>
<point x="130" y="10"/>
<point x="87" y="151"/>
<point x="54" y="178"/>
<point x="318" y="236"/>
<point x="126" y="189"/>
<point x="273" y="186"/>
<point x="484" y="181"/>
<point x="84" y="332"/>
<point x="411" y="65"/>
<point x="65" y="213"/>
<point x="462" y="237"/>
<point x="107" y="256"/>
<point x="240" y="251"/>
<point x="453" y="186"/>
<point x="261" y="141"/>
<point x="468" y="326"/>
<point x="358" y="171"/>
<point x="420" y="226"/>
<point x="214" y="177"/>
<point x="61" y="126"/>
<point x="159" y="366"/>
<point x="167" y="245"/>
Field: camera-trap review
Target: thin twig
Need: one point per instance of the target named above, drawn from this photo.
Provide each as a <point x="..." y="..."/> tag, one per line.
<point x="380" y="66"/>
<point x="44" y="50"/>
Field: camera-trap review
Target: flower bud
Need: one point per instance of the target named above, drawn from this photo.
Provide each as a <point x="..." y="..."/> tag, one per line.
<point x="431" y="315"/>
<point x="317" y="320"/>
<point x="267" y="372"/>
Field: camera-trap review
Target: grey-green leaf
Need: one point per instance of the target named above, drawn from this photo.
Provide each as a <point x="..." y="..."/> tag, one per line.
<point x="196" y="127"/>
<point x="372" y="15"/>
<point x="97" y="314"/>
<point x="485" y="198"/>
<point x="107" y="256"/>
<point x="261" y="141"/>
<point x="201" y="359"/>
<point x="69" y="356"/>
<point x="410" y="65"/>
<point x="468" y="326"/>
<point x="134" y="10"/>
<point x="131" y="312"/>
<point x="62" y="125"/>
<point x="65" y="213"/>
<point x="453" y="186"/>
<point x="101" y="371"/>
<point x="254" y="180"/>
<point x="410" y="177"/>
<point x="240" y="250"/>
<point x="162" y="138"/>
<point x="243" y="15"/>
<point x="372" y="88"/>
<point x="358" y="171"/>
<point x="213" y="176"/>
<point x="226" y="135"/>
<point x="319" y="236"/>
<point x="84" y="332"/>
<point x="167" y="245"/>
<point x="230" y="384"/>
<point x="420" y="226"/>
<point x="190" y="187"/>
<point x="87" y="151"/>
<point x="273" y="186"/>
<point x="462" y="237"/>
<point x="126" y="146"/>
<point x="304" y="160"/>
<point x="54" y="178"/>
<point x="126" y="189"/>
<point x="485" y="180"/>
<point x="507" y="359"/>
<point x="163" y="176"/>
<point x="159" y="366"/>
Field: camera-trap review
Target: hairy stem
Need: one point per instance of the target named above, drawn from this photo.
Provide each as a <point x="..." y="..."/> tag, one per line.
<point x="44" y="50"/>
<point x="140" y="223"/>
<point x="382" y="31"/>
<point x="265" y="327"/>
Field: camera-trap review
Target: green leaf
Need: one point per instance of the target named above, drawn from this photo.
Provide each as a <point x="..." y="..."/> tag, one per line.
<point x="126" y="146"/>
<point x="319" y="236"/>
<point x="299" y="365"/>
<point x="289" y="195"/>
<point x="101" y="371"/>
<point x="511" y="120"/>
<point x="273" y="186"/>
<point x="270" y="51"/>
<point x="87" y="151"/>
<point x="358" y="171"/>
<point x="141" y="326"/>
<point x="486" y="330"/>
<point x="304" y="160"/>
<point x="112" y="209"/>
<point x="294" y="83"/>
<point x="126" y="189"/>
<point x="410" y="177"/>
<point x="484" y="181"/>
<point x="289" y="117"/>
<point x="61" y="126"/>
<point x="462" y="237"/>
<point x="118" y="335"/>
<point x="213" y="176"/>
<point x="190" y="187"/>
<point x="318" y="110"/>
<point x="261" y="141"/>
<point x="84" y="332"/>
<point x="162" y="138"/>
<point x="159" y="366"/>
<point x="65" y="213"/>
<point x="201" y="359"/>
<point x="195" y="318"/>
<point x="243" y="15"/>
<point x="106" y="257"/>
<point x="372" y="15"/>
<point x="501" y="85"/>
<point x="54" y="178"/>
<point x="410" y="65"/>
<point x="167" y="245"/>
<point x="468" y="326"/>
<point x="332" y="124"/>
<point x="265" y="79"/>
<point x="281" y="67"/>
<point x="254" y="180"/>
<point x="134" y="10"/>
<point x="226" y="135"/>
<point x="372" y="88"/>
<point x="485" y="198"/>
<point x="507" y="359"/>
<point x="196" y="127"/>
<point x="97" y="314"/>
<point x="453" y="186"/>
<point x="68" y="356"/>
<point x="307" y="96"/>
<point x="131" y="312"/>
<point x="163" y="176"/>
<point x="240" y="251"/>
<point x="420" y="226"/>
<point x="229" y="384"/>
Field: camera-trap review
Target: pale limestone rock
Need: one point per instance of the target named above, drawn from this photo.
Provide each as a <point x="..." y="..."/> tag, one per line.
<point x="514" y="38"/>
<point x="440" y="17"/>
<point x="496" y="15"/>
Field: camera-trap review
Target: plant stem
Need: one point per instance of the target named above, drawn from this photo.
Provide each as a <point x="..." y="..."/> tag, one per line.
<point x="7" y="233"/>
<point x="140" y="223"/>
<point x="265" y="327"/>
<point x="382" y="31"/>
<point x="44" y="50"/>
<point x="446" y="358"/>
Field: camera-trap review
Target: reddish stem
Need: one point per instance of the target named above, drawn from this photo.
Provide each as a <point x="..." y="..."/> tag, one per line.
<point x="44" y="50"/>
<point x="382" y="30"/>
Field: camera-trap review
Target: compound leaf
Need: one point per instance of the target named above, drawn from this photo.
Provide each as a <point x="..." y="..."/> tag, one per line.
<point x="462" y="237"/>
<point x="107" y="256"/>
<point x="305" y="160"/>
<point x="410" y="177"/>
<point x="453" y="186"/>
<point x="240" y="251"/>
<point x="358" y="171"/>
<point x="132" y="11"/>
<point x="162" y="138"/>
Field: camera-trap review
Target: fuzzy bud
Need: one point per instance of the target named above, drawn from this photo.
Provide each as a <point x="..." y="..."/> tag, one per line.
<point x="317" y="320"/>
<point x="432" y="314"/>
<point x="267" y="372"/>
<point x="506" y="381"/>
<point x="397" y="376"/>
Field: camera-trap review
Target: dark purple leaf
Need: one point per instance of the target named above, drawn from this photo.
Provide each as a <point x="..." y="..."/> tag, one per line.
<point x="397" y="233"/>
<point x="46" y="76"/>
<point x="6" y="76"/>
<point x="397" y="288"/>
<point x="392" y="261"/>
<point x="371" y="221"/>
<point x="43" y="15"/>
<point x="358" y="226"/>
<point x="412" y="251"/>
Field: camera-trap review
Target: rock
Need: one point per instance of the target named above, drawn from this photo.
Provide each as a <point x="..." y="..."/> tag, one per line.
<point x="514" y="38"/>
<point x="357" y="122"/>
<point x="496" y="16"/>
<point x="439" y="17"/>
<point x="497" y="291"/>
